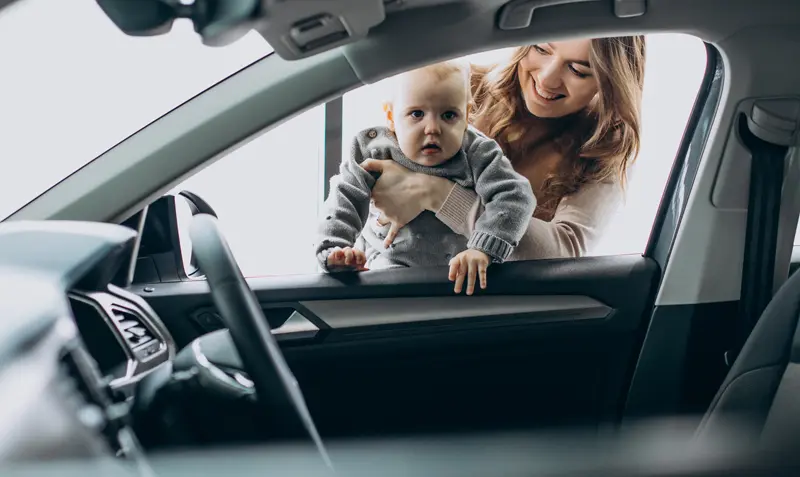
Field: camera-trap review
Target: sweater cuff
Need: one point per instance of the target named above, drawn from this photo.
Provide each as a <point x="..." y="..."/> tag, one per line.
<point x="322" y="258"/>
<point x="455" y="209"/>
<point x="495" y="247"/>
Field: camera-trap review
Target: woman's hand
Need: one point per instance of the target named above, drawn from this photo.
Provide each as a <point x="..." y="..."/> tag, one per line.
<point x="401" y="195"/>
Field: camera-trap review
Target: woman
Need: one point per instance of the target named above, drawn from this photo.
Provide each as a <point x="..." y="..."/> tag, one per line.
<point x="567" y="115"/>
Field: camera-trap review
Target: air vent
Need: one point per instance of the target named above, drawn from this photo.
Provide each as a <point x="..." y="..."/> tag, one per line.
<point x="98" y="337"/>
<point x="133" y="329"/>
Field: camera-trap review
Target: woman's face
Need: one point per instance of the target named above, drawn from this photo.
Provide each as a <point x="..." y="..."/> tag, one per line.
<point x="556" y="79"/>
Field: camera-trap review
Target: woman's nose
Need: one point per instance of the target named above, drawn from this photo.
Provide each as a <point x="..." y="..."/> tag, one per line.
<point x="549" y="76"/>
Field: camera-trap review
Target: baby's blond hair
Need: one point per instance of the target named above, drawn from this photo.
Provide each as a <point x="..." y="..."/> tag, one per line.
<point x="450" y="67"/>
<point x="440" y="71"/>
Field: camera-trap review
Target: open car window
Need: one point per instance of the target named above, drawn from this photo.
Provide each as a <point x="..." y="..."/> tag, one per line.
<point x="248" y="188"/>
<point x="667" y="103"/>
<point x="67" y="101"/>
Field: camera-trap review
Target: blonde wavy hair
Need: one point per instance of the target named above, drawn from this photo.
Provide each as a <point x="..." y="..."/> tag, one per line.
<point x="598" y="143"/>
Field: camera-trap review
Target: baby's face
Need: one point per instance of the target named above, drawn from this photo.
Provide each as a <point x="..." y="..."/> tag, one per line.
<point x="430" y="116"/>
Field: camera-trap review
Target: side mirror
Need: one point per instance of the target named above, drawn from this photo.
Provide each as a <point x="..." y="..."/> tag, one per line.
<point x="187" y="205"/>
<point x="165" y="251"/>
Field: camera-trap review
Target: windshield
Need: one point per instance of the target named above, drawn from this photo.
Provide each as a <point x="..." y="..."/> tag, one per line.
<point x="73" y="86"/>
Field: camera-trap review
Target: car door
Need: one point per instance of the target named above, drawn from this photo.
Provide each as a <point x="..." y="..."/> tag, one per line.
<point x="550" y="342"/>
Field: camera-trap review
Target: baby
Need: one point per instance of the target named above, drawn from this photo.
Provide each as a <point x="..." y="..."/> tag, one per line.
<point x="427" y="132"/>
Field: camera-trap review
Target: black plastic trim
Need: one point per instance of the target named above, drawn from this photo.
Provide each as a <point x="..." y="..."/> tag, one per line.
<point x="625" y="283"/>
<point x="606" y="279"/>
<point x="334" y="117"/>
<point x="681" y="366"/>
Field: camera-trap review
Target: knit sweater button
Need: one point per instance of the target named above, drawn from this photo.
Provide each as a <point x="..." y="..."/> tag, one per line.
<point x="372" y="133"/>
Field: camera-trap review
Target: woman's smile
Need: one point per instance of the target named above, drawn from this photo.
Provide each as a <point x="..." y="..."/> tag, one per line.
<point x="542" y="96"/>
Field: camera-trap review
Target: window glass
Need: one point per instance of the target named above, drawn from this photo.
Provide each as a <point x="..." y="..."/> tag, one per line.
<point x="74" y="85"/>
<point x="674" y="70"/>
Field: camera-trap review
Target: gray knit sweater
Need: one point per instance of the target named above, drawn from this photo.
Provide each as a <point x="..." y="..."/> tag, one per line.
<point x="349" y="221"/>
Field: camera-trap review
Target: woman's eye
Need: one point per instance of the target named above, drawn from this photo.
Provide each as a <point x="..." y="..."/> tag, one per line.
<point x="578" y="73"/>
<point x="449" y="115"/>
<point x="416" y="114"/>
<point x="539" y="49"/>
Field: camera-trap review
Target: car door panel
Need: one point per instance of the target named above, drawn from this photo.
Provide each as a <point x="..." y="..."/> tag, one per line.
<point x="549" y="343"/>
<point x="380" y="312"/>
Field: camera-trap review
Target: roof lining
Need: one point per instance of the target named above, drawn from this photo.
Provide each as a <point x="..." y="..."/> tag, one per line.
<point x="700" y="18"/>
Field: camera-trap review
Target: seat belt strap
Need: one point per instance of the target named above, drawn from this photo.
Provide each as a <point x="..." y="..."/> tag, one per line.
<point x="763" y="218"/>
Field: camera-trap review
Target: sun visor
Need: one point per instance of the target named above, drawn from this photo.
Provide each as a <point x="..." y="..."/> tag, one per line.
<point x="303" y="28"/>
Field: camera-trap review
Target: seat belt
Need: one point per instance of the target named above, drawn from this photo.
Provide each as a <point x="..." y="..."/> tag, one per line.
<point x="767" y="134"/>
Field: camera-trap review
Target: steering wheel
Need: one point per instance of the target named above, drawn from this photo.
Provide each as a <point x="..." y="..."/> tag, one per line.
<point x="276" y="386"/>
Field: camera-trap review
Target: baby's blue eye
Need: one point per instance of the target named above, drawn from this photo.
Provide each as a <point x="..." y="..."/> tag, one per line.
<point x="416" y="114"/>
<point x="449" y="115"/>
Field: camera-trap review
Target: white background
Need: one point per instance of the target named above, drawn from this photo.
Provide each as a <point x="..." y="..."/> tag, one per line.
<point x="73" y="85"/>
<point x="72" y="89"/>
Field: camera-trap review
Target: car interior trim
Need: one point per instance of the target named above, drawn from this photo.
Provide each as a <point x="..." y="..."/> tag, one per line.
<point x="114" y="308"/>
<point x="390" y="311"/>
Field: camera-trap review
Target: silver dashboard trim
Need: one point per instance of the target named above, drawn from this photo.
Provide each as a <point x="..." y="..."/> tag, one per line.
<point x="118" y="299"/>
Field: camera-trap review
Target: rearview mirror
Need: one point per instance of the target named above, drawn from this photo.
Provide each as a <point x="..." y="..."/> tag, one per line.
<point x="294" y="29"/>
<point x="218" y="22"/>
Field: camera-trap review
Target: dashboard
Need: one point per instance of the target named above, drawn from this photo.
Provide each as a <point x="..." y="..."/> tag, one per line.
<point x="72" y="345"/>
<point x="122" y="333"/>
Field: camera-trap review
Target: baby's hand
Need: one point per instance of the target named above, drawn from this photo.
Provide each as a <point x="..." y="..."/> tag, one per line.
<point x="348" y="258"/>
<point x="468" y="264"/>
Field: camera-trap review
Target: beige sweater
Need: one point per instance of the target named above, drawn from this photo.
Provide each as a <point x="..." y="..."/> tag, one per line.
<point x="579" y="220"/>
<point x="578" y="223"/>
